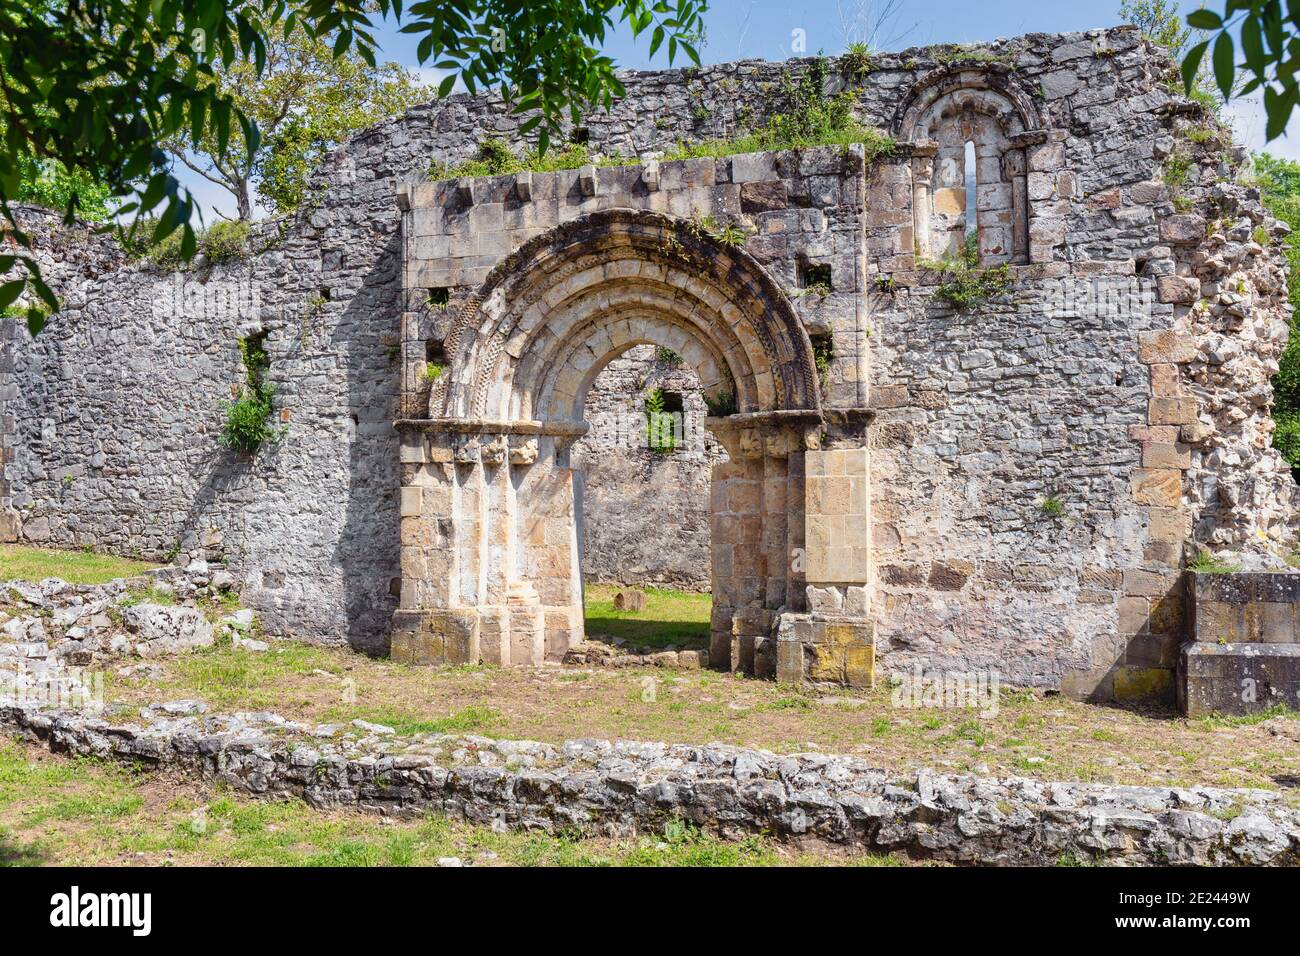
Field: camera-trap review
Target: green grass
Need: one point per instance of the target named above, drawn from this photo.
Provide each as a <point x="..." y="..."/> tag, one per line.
<point x="677" y="618"/>
<point x="56" y="811"/>
<point x="474" y="719"/>
<point x="20" y="563"/>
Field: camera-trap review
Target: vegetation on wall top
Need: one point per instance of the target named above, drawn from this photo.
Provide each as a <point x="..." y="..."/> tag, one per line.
<point x="805" y="116"/>
<point x="223" y="241"/>
<point x="496" y="158"/>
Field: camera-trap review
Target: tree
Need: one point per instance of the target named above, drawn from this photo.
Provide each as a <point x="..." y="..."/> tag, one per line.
<point x="1270" y="51"/>
<point x="304" y="101"/>
<point x="1161" y="23"/>
<point x="1279" y="185"/>
<point x="101" y="85"/>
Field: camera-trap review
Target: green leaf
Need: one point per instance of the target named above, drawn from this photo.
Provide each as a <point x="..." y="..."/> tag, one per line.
<point x="1224" y="67"/>
<point x="1277" y="107"/>
<point x="1192" y="64"/>
<point x="1204" y="20"/>
<point x="11" y="291"/>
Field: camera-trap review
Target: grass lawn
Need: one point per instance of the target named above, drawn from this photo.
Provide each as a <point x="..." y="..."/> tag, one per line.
<point x="83" y="812"/>
<point x="1032" y="734"/>
<point x="676" y="618"/>
<point x="19" y="563"/>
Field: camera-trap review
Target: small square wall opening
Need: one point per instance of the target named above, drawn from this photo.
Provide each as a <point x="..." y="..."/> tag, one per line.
<point x="815" y="276"/>
<point x="439" y="297"/>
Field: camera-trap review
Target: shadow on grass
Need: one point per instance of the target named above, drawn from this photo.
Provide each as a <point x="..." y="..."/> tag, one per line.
<point x="677" y="619"/>
<point x="14" y="853"/>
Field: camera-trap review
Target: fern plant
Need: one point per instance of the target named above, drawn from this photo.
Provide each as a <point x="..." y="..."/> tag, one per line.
<point x="660" y="425"/>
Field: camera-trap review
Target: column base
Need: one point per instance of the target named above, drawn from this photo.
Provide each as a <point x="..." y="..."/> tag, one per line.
<point x="825" y="649"/>
<point x="443" y="636"/>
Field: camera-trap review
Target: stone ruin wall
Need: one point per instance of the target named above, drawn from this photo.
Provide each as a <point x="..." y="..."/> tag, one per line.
<point x="1150" y="427"/>
<point x="645" y="512"/>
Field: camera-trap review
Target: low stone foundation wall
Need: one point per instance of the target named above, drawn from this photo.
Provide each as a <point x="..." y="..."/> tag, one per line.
<point x="621" y="789"/>
<point x="1244" y="652"/>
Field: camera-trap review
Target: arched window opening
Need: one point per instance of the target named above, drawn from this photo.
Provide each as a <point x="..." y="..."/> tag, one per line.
<point x="971" y="174"/>
<point x="969" y="194"/>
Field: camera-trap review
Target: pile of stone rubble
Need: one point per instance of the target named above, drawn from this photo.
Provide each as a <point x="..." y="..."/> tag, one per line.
<point x="597" y="651"/>
<point x="622" y="789"/>
<point x="50" y="629"/>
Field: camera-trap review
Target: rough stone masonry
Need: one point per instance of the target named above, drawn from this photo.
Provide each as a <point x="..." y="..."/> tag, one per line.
<point x="1014" y="486"/>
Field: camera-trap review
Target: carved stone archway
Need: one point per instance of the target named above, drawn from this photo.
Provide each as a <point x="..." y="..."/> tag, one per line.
<point x="490" y="502"/>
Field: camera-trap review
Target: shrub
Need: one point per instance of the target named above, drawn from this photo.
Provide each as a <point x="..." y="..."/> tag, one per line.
<point x="807" y="117"/>
<point x="247" y="425"/>
<point x="963" y="284"/>
<point x="225" y="241"/>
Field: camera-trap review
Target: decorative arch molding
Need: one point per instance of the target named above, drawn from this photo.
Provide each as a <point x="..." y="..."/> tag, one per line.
<point x="492" y="503"/>
<point x="526" y="343"/>
<point x="946" y="80"/>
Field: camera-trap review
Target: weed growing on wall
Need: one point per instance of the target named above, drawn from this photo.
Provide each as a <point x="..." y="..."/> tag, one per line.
<point x="730" y="234"/>
<point x="856" y="61"/>
<point x="496" y="158"/>
<point x="247" y="424"/>
<point x="661" y="435"/>
<point x="963" y="284"/>
<point x="823" y="354"/>
<point x="1206" y="563"/>
<point x="806" y="116"/>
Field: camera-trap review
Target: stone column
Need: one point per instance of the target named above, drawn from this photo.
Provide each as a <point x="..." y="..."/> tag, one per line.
<point x="489" y="548"/>
<point x="834" y="641"/>
<point x="923" y="154"/>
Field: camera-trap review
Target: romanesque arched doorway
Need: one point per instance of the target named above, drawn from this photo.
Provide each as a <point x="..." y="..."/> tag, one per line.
<point x="491" y="568"/>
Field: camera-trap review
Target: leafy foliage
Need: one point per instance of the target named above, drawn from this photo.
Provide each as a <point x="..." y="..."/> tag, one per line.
<point x="1267" y="35"/>
<point x="305" y="101"/>
<point x="48" y="183"/>
<point x="660" y="425"/>
<point x="1279" y="184"/>
<point x="963" y="284"/>
<point x="806" y="116"/>
<point x="101" y="86"/>
<point x="247" y="424"/>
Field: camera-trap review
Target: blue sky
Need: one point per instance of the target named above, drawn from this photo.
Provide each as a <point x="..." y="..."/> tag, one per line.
<point x="739" y="29"/>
